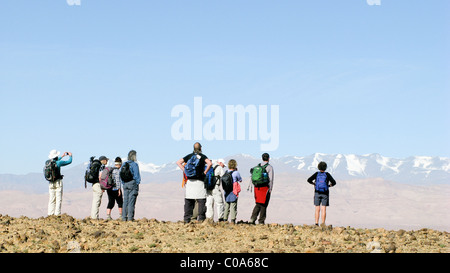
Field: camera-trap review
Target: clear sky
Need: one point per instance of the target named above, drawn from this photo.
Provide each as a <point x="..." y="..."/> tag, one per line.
<point x="102" y="77"/>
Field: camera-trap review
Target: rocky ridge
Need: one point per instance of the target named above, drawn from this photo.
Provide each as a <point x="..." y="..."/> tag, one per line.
<point x="64" y="234"/>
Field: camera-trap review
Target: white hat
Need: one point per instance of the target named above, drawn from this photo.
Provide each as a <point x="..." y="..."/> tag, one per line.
<point x="53" y="154"/>
<point x="221" y="160"/>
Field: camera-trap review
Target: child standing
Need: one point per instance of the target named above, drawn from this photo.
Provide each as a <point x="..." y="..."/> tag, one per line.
<point x="231" y="197"/>
<point x="322" y="181"/>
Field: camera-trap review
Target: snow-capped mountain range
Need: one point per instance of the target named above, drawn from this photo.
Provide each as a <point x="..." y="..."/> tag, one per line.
<point x="414" y="170"/>
<point x="411" y="170"/>
<point x="371" y="191"/>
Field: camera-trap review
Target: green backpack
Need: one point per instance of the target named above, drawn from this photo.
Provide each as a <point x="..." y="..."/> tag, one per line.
<point x="259" y="175"/>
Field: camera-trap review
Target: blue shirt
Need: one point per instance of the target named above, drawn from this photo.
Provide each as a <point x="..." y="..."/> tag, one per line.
<point x="134" y="168"/>
<point x="61" y="163"/>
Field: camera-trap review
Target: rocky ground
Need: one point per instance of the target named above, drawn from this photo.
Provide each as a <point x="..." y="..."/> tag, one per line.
<point x="64" y="234"/>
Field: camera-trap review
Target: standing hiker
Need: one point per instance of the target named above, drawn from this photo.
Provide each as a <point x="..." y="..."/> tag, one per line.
<point x="52" y="172"/>
<point x="115" y="192"/>
<point x="230" y="183"/>
<point x="195" y="171"/>
<point x="97" y="191"/>
<point x="131" y="177"/>
<point x="262" y="179"/>
<point x="214" y="197"/>
<point x="322" y="181"/>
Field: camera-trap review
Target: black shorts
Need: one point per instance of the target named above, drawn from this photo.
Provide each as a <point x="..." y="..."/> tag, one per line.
<point x="321" y="199"/>
<point x="113" y="197"/>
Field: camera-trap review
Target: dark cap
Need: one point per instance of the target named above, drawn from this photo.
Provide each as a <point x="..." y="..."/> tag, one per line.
<point x="103" y="158"/>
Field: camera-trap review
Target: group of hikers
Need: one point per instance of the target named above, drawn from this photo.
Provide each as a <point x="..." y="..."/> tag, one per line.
<point x="198" y="170"/>
<point x="207" y="186"/>
<point x="121" y="183"/>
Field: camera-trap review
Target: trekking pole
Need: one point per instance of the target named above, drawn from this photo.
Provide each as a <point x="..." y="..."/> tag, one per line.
<point x="250" y="186"/>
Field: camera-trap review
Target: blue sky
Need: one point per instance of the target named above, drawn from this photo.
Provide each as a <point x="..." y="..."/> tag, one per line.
<point x="102" y="78"/>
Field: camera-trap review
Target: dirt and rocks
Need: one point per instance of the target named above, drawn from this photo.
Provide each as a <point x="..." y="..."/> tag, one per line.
<point x="64" y="234"/>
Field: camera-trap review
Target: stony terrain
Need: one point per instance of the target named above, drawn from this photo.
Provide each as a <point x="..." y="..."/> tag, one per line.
<point x="64" y="234"/>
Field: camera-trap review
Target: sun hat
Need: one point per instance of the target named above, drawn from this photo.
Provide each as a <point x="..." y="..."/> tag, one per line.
<point x="53" y="154"/>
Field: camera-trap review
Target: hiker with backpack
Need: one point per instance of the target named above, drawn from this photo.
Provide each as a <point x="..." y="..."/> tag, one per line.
<point x="52" y="173"/>
<point x="230" y="184"/>
<point x="97" y="189"/>
<point x="214" y="196"/>
<point x="262" y="179"/>
<point x="196" y="167"/>
<point x="114" y="191"/>
<point x="131" y="177"/>
<point x="322" y="181"/>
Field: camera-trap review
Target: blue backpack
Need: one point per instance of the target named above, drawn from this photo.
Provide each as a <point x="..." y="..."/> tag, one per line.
<point x="321" y="182"/>
<point x="210" y="178"/>
<point x="191" y="166"/>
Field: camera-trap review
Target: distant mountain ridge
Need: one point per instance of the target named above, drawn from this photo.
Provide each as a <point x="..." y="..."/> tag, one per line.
<point x="415" y="170"/>
<point x="371" y="191"/>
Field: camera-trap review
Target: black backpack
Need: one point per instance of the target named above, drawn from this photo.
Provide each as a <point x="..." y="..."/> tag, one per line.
<point x="92" y="171"/>
<point x="125" y="173"/>
<point x="227" y="181"/>
<point x="51" y="171"/>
